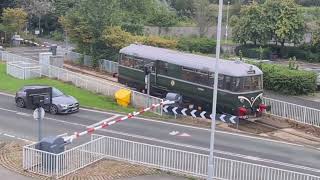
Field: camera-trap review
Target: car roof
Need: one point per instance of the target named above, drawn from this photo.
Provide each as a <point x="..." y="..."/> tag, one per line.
<point x="226" y="67"/>
<point x="35" y="86"/>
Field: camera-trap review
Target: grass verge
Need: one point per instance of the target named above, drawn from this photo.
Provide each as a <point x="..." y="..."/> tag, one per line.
<point x="86" y="98"/>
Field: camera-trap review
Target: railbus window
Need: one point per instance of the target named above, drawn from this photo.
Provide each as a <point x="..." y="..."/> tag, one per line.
<point x="132" y="62"/>
<point x="195" y="76"/>
<point x="250" y="83"/>
<point x="163" y="68"/>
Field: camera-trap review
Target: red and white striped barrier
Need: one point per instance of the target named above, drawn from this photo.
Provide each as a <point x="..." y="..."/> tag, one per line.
<point x="106" y="124"/>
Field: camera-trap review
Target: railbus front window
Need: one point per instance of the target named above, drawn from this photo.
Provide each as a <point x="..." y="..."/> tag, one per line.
<point x="249" y="83"/>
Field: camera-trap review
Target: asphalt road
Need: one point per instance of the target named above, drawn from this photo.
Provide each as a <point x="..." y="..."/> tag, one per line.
<point x="20" y="124"/>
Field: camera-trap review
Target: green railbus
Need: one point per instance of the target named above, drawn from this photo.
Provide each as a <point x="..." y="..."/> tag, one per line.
<point x="240" y="85"/>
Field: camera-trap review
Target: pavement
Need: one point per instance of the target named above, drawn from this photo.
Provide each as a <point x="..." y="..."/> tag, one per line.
<point x="156" y="177"/>
<point x="12" y="175"/>
<point x="19" y="123"/>
<point x="15" y="176"/>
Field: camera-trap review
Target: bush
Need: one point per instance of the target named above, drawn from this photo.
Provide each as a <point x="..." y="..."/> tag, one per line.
<point x="159" y="42"/>
<point x="202" y="45"/>
<point x="281" y="79"/>
<point x="303" y="53"/>
<point x="57" y="36"/>
<point x="254" y="52"/>
<point x="136" y="29"/>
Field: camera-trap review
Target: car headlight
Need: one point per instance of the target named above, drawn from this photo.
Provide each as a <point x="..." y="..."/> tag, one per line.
<point x="63" y="106"/>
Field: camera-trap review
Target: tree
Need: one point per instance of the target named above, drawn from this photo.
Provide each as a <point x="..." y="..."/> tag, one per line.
<point x="136" y="13"/>
<point x="37" y="8"/>
<point x="315" y="42"/>
<point x="6" y="4"/>
<point x="117" y="38"/>
<point x="183" y="7"/>
<point x="285" y="22"/>
<point x="14" y="20"/>
<point x="278" y="20"/>
<point x="163" y="17"/>
<point x="204" y="15"/>
<point x="86" y="22"/>
<point x="61" y="7"/>
<point x="250" y="26"/>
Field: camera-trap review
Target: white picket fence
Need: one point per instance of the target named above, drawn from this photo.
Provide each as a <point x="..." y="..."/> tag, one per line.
<point x="167" y="159"/>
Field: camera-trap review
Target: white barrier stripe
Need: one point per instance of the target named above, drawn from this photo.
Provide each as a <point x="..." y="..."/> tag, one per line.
<point x="106" y="124"/>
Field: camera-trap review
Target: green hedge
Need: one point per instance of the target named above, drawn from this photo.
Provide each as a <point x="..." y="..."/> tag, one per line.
<point x="303" y="52"/>
<point x="254" y="52"/>
<point x="202" y="45"/>
<point x="283" y="80"/>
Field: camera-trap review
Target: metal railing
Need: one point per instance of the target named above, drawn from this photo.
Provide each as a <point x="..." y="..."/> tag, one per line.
<point x="74" y="57"/>
<point x="193" y="164"/>
<point x="108" y="66"/>
<point x="9" y="57"/>
<point x="301" y="114"/>
<point x="167" y="159"/>
<point x="59" y="165"/>
<point x="138" y="100"/>
<point x="22" y="70"/>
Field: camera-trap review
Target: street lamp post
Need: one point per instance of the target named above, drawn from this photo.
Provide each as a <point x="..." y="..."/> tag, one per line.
<point x="227" y="25"/>
<point x="215" y="91"/>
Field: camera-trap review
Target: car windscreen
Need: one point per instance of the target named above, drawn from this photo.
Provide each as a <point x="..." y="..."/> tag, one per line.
<point x="56" y="92"/>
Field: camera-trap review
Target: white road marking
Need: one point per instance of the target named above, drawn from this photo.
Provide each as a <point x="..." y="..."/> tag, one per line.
<point x="9" y="110"/>
<point x="188" y="146"/>
<point x="6" y="94"/>
<point x="9" y="135"/>
<point x="186" y="126"/>
<point x="184" y="135"/>
<point x="100" y="122"/>
<point x="174" y="124"/>
<point x="25" y="140"/>
<point x="173" y="133"/>
<point x="24" y="114"/>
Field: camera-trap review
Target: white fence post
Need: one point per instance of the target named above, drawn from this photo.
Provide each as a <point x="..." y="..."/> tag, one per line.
<point x="304" y="114"/>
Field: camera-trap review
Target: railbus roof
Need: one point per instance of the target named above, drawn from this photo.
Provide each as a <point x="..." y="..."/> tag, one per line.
<point x="205" y="63"/>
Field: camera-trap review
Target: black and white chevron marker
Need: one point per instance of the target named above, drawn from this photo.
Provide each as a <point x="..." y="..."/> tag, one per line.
<point x="226" y="118"/>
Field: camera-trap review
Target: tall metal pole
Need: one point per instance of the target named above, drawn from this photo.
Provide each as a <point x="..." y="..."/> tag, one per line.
<point x="215" y="91"/>
<point x="67" y="41"/>
<point x="227" y="25"/>
<point x="39" y="124"/>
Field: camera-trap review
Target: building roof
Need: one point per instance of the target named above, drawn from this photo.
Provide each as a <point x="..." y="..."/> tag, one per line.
<point x="226" y="67"/>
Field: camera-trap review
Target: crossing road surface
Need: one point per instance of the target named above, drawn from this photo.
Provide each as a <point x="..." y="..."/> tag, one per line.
<point x="19" y="123"/>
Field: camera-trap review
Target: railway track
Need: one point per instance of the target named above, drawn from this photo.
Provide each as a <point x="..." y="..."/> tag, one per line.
<point x="259" y="126"/>
<point x="256" y="126"/>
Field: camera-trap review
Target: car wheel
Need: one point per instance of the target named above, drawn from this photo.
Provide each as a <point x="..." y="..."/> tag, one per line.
<point x="20" y="103"/>
<point x="53" y="109"/>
